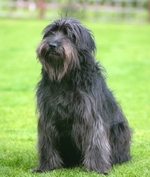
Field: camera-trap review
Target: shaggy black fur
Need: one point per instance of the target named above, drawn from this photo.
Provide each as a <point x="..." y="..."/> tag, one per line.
<point x="80" y="121"/>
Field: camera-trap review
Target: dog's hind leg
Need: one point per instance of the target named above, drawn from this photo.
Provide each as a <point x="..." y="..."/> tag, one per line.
<point x="93" y="141"/>
<point x="97" y="149"/>
<point x="120" y="137"/>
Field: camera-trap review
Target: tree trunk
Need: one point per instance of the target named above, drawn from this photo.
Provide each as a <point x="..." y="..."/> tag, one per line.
<point x="149" y="10"/>
<point x="41" y="7"/>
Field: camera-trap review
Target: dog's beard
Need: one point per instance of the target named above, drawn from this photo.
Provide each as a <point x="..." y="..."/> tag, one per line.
<point x="57" y="62"/>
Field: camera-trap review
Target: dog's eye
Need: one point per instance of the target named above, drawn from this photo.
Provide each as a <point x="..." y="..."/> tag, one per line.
<point x="51" y="32"/>
<point x="69" y="33"/>
<point x="65" y="31"/>
<point x="73" y="37"/>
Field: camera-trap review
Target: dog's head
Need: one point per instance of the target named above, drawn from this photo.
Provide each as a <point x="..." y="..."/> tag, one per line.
<point x="64" y="42"/>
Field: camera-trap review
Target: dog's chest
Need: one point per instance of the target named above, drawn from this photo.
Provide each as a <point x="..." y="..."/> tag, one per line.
<point x="61" y="104"/>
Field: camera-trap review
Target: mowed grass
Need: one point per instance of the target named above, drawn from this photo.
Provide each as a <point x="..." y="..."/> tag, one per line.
<point x="123" y="49"/>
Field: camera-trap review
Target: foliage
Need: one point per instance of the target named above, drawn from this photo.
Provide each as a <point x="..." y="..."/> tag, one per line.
<point x="123" y="50"/>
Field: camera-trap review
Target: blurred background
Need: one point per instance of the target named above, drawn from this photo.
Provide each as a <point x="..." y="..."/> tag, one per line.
<point x="101" y="10"/>
<point x="122" y="35"/>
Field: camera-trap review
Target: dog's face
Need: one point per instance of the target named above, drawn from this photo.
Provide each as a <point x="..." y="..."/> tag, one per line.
<point x="63" y="43"/>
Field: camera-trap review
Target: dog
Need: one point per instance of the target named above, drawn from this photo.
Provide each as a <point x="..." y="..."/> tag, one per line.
<point x="80" y="121"/>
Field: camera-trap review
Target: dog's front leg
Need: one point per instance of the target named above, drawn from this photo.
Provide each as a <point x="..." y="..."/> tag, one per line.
<point x="49" y="157"/>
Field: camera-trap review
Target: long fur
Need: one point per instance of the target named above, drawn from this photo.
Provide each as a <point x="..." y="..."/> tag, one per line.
<point x="80" y="121"/>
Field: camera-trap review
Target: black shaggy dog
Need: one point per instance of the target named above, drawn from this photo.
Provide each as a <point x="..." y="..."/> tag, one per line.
<point x="80" y="121"/>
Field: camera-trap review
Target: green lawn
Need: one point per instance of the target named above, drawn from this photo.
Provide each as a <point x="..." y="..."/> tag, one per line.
<point x="123" y="49"/>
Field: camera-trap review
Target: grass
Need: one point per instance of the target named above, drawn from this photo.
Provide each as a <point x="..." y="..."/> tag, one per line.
<point x="124" y="51"/>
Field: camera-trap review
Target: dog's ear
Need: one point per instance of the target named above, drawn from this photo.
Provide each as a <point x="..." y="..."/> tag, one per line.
<point x="84" y="38"/>
<point x="88" y="39"/>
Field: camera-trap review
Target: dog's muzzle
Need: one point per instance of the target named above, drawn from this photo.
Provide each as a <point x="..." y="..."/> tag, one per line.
<point x="52" y="47"/>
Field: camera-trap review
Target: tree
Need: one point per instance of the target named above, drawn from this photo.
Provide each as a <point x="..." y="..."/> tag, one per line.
<point x="41" y="7"/>
<point x="149" y="10"/>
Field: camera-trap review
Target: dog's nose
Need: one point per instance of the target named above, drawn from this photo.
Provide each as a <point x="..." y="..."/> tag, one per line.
<point x="52" y="45"/>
